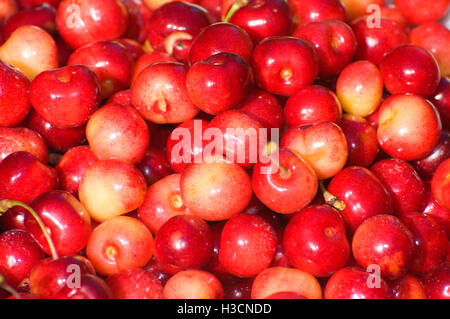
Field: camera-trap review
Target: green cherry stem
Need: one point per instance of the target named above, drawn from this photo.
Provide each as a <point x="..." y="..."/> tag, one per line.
<point x="5" y="286"/>
<point x="234" y="7"/>
<point x="6" y="204"/>
<point x="330" y="199"/>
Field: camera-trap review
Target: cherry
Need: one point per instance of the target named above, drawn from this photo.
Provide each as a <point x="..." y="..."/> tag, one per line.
<point x="437" y="283"/>
<point x="111" y="62"/>
<point x="428" y="165"/>
<point x="193" y="284"/>
<point x="441" y="100"/>
<point x="159" y="93"/>
<point x="43" y="16"/>
<point x="91" y="287"/>
<point x="239" y="288"/>
<point x="359" y="8"/>
<point x="138" y="21"/>
<point x="215" y="189"/>
<point x="440" y="184"/>
<point x="363" y="194"/>
<point x="322" y="145"/>
<point x="148" y="59"/>
<point x="79" y="27"/>
<point x="409" y="115"/>
<point x="403" y="183"/>
<point x="313" y="104"/>
<point x="360" y="88"/>
<point x="262" y="19"/>
<point x="430" y="242"/>
<point x="8" y="8"/>
<point x="119" y="243"/>
<point x="247" y="245"/>
<point x="111" y="188"/>
<point x="23" y="177"/>
<point x="154" y="165"/>
<point x="315" y="241"/>
<point x="391" y="12"/>
<point x="361" y="140"/>
<point x="192" y="246"/>
<point x="57" y="138"/>
<point x="135" y="283"/>
<point x="20" y="139"/>
<point x="278" y="182"/>
<point x="158" y="270"/>
<point x="110" y="130"/>
<point x="334" y="43"/>
<point x="72" y="167"/>
<point x="352" y="283"/>
<point x="208" y="83"/>
<point x="418" y="12"/>
<point x="317" y="10"/>
<point x="13" y="218"/>
<point x="281" y="279"/>
<point x="440" y="214"/>
<point x="65" y="218"/>
<point x="19" y="253"/>
<point x="14" y="102"/>
<point x="407" y="287"/>
<point x="284" y="65"/>
<point x="221" y="37"/>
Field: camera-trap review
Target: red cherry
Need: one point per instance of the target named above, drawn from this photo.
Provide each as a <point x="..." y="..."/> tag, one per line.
<point x="148" y="59"/>
<point x="440" y="184"/>
<point x="91" y="287"/>
<point x="138" y="23"/>
<point x="317" y="10"/>
<point x="193" y="284"/>
<point x="154" y="165"/>
<point x="441" y="100"/>
<point x="428" y="165"/>
<point x="437" y="283"/>
<point x="43" y="16"/>
<point x="407" y="287"/>
<point x="21" y="139"/>
<point x="135" y="284"/>
<point x="418" y="12"/>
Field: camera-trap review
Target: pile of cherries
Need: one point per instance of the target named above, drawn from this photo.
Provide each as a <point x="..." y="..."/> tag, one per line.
<point x="95" y="203"/>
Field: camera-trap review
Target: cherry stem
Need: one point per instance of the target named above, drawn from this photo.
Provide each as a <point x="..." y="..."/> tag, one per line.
<point x="5" y="286"/>
<point x="330" y="199"/>
<point x="235" y="7"/>
<point x="6" y="204"/>
<point x="269" y="150"/>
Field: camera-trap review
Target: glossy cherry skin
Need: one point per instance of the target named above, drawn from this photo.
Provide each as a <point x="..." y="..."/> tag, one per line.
<point x="43" y="16"/>
<point x="184" y="146"/>
<point x="13" y="218"/>
<point x="19" y="253"/>
<point x="360" y="88"/>
<point x="134" y="48"/>
<point x="441" y="100"/>
<point x="78" y="26"/>
<point x="193" y="284"/>
<point x="265" y="108"/>
<point x="281" y="279"/>
<point x="139" y="15"/>
<point x="215" y="190"/>
<point x="317" y="10"/>
<point x="66" y="219"/>
<point x="66" y="97"/>
<point x="407" y="287"/>
<point x="262" y="19"/>
<point x="111" y="62"/>
<point x="49" y="276"/>
<point x="241" y="147"/>
<point x="284" y="65"/>
<point x="363" y="194"/>
<point x="120" y="243"/>
<point x="162" y="201"/>
<point x="359" y="8"/>
<point x="148" y="59"/>
<point x="434" y="37"/>
<point x="419" y="12"/>
<point x="91" y="287"/>
<point x="403" y="183"/>
<point x="28" y="4"/>
<point x="315" y="241"/>
<point x="192" y="246"/>
<point x="239" y="288"/>
<point x="110" y="130"/>
<point x="247" y="245"/>
<point x="351" y="283"/>
<point x="322" y="145"/>
<point x="154" y="165"/>
<point x="361" y="140"/>
<point x="408" y="115"/>
<point x="430" y="242"/>
<point x="220" y="38"/>
<point x="179" y="20"/>
<point x="135" y="283"/>
<point x="208" y="83"/>
<point x="410" y="69"/>
<point x="23" y="177"/>
<point x="313" y="104"/>
<point x="159" y="93"/>
<point x="110" y="188"/>
<point x="440" y="214"/>
<point x="440" y="184"/>
<point x="334" y="43"/>
<point x="279" y="188"/>
<point x="57" y="138"/>
<point x="428" y="165"/>
<point x="72" y="167"/>
<point x="21" y="139"/>
<point x="30" y="49"/>
<point x="373" y="43"/>
<point x="14" y="102"/>
<point x="383" y="240"/>
<point x="437" y="283"/>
